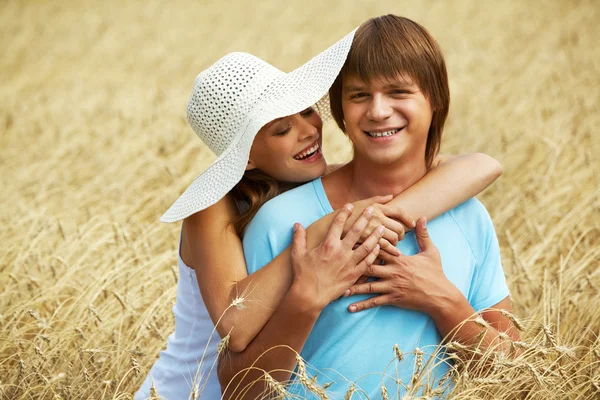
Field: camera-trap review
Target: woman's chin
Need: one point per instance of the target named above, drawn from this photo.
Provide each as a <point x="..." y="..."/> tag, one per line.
<point x="317" y="171"/>
<point x="308" y="174"/>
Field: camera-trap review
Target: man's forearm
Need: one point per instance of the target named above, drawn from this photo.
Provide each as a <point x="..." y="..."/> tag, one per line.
<point x="459" y="322"/>
<point x="271" y="350"/>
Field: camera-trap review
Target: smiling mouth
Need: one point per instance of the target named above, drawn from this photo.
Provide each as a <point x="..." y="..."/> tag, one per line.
<point x="384" y="133"/>
<point x="308" y="152"/>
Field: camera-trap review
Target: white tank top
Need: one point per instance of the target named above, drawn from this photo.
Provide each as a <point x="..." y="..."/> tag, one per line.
<point x="190" y="360"/>
<point x="185" y="365"/>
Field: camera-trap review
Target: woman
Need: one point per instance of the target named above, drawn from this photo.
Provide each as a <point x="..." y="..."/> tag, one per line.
<point x="260" y="123"/>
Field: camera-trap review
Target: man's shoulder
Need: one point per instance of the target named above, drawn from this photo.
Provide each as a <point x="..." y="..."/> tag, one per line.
<point x="286" y="209"/>
<point x="471" y="211"/>
<point x="289" y="203"/>
<point x="291" y="198"/>
<point x="270" y="231"/>
<point x="475" y="223"/>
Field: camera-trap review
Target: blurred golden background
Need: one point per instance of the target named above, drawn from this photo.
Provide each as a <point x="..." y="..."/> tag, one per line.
<point x="94" y="146"/>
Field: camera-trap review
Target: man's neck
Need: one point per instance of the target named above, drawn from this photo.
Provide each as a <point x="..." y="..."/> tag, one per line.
<point x="361" y="179"/>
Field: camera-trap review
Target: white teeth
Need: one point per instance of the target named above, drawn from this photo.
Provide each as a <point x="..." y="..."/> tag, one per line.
<point x="380" y="134"/>
<point x="308" y="152"/>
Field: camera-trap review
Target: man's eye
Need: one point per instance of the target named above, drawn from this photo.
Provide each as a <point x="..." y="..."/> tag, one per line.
<point x="358" y="95"/>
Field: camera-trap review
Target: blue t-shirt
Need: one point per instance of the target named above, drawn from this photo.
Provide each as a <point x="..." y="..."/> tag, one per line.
<point x="359" y="347"/>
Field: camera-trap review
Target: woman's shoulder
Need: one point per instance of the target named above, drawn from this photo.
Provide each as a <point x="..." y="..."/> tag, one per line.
<point x="224" y="209"/>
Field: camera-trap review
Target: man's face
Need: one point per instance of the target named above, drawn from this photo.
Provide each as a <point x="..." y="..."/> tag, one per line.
<point x="387" y="120"/>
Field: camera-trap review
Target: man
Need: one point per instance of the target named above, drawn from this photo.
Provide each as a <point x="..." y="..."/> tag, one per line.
<point x="391" y="99"/>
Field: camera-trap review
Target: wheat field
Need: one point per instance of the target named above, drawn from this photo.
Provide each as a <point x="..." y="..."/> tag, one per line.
<point x="94" y="146"/>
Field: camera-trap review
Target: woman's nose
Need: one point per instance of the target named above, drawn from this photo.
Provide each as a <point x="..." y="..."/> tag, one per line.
<point x="307" y="130"/>
<point x="379" y="109"/>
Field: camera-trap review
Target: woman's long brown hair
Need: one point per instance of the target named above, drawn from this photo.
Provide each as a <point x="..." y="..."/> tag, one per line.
<point x="255" y="189"/>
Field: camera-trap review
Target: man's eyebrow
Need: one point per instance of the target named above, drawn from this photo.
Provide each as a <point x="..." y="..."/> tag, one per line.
<point x="353" y="88"/>
<point x="399" y="85"/>
<point x="394" y="85"/>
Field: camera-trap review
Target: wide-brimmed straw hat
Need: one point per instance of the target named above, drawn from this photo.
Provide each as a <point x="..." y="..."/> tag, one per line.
<point x="232" y="100"/>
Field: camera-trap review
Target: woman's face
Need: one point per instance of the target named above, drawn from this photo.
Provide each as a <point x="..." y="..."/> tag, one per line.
<point x="289" y="148"/>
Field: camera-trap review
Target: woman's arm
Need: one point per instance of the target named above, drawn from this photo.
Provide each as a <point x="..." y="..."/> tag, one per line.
<point x="238" y="304"/>
<point x="211" y="246"/>
<point x="452" y="180"/>
<point x="215" y="251"/>
<point x="320" y="276"/>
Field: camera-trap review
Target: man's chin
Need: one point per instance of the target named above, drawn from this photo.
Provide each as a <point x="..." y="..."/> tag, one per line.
<point x="383" y="158"/>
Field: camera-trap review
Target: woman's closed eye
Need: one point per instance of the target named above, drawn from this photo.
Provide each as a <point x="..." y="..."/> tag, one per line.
<point x="283" y="131"/>
<point x="307" y="112"/>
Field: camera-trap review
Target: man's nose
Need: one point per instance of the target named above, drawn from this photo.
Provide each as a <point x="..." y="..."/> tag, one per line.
<point x="379" y="109"/>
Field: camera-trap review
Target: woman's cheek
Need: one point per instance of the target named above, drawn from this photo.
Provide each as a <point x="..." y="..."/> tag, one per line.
<point x="316" y="121"/>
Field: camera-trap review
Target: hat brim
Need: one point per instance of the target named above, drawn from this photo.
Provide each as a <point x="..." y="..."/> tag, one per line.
<point x="292" y="93"/>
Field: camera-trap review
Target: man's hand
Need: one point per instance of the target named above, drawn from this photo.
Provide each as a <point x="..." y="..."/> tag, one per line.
<point x="324" y="273"/>
<point x="413" y="282"/>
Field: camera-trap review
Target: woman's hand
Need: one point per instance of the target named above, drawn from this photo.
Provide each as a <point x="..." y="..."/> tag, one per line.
<point x="412" y="282"/>
<point x="326" y="272"/>
<point x="393" y="218"/>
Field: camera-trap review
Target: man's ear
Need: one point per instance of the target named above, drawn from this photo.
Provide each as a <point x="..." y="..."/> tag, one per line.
<point x="250" y="165"/>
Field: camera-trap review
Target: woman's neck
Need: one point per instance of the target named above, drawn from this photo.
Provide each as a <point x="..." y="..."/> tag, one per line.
<point x="285" y="186"/>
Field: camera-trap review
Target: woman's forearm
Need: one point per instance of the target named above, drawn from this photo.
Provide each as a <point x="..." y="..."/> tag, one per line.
<point x="273" y="350"/>
<point x="452" y="182"/>
<point x="259" y="294"/>
<point x="239" y="305"/>
<point x="254" y="299"/>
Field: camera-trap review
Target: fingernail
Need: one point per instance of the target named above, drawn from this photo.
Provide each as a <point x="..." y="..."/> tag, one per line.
<point x="370" y="210"/>
<point x="397" y="251"/>
<point x="295" y="227"/>
<point x="413" y="224"/>
<point x="380" y="229"/>
<point x="352" y="308"/>
<point x="349" y="206"/>
<point x="347" y="293"/>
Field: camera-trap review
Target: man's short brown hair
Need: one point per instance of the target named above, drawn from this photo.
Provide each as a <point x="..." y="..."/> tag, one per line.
<point x="390" y="47"/>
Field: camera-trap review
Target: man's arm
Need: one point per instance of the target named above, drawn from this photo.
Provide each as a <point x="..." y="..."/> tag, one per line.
<point x="418" y="282"/>
<point x="458" y="321"/>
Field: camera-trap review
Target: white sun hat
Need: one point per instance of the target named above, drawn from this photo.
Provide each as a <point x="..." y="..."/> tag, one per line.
<point x="232" y="100"/>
